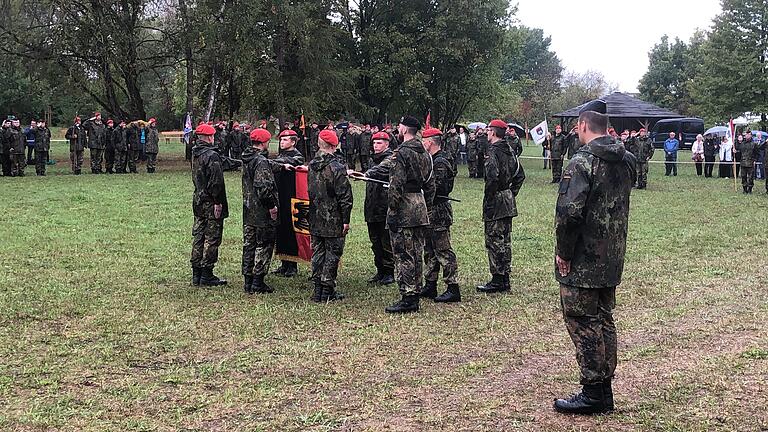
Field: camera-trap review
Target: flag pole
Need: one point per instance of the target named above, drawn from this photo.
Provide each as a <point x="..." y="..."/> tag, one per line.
<point x="733" y="155"/>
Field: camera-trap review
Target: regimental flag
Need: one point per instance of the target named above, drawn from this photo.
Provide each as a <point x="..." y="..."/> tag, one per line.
<point x="293" y="232"/>
<point x="188" y="128"/>
<point x="539" y="132"/>
<point x="429" y="120"/>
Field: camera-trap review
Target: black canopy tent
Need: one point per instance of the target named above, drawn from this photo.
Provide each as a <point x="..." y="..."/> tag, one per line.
<point x="625" y="112"/>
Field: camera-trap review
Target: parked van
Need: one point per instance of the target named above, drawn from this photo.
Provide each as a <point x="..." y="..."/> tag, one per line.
<point x="685" y="130"/>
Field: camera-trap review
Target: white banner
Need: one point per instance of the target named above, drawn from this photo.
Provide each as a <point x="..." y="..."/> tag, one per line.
<point x="539" y="132"/>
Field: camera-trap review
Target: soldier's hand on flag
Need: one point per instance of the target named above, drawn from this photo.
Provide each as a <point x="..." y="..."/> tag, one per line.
<point x="273" y="213"/>
<point x="217" y="211"/>
<point x="346" y="229"/>
<point x="563" y="266"/>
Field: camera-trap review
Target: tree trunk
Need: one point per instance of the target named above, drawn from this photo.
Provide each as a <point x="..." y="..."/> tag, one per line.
<point x="188" y="59"/>
<point x="212" y="94"/>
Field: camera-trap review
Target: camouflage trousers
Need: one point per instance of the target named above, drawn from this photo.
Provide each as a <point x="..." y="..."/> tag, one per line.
<point x="557" y="170"/>
<point x="109" y="159"/>
<point x="642" y="174"/>
<point x="747" y="177"/>
<point x="151" y="162"/>
<point x="381" y="246"/>
<point x="408" y="250"/>
<point x="326" y="255"/>
<point x="439" y="253"/>
<point x="206" y="239"/>
<point x="18" y="163"/>
<point x="132" y="159"/>
<point x="499" y="245"/>
<point x="258" y="244"/>
<point x="97" y="159"/>
<point x="5" y="160"/>
<point x="588" y="315"/>
<point x="120" y="161"/>
<point x="41" y="160"/>
<point x="76" y="159"/>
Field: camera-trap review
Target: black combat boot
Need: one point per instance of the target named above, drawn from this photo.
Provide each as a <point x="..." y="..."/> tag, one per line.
<point x="279" y="271"/>
<point x="207" y="278"/>
<point x="150" y="170"/>
<point x="259" y="286"/>
<point x="608" y="395"/>
<point x="317" y="293"/>
<point x="78" y="172"/>
<point x="330" y="294"/>
<point x="589" y="401"/>
<point x="505" y="281"/>
<point x="430" y="290"/>
<point x="387" y="278"/>
<point x="494" y="286"/>
<point x="451" y="295"/>
<point x="291" y="269"/>
<point x="407" y="304"/>
<point x="248" y="284"/>
<point x="196" y="271"/>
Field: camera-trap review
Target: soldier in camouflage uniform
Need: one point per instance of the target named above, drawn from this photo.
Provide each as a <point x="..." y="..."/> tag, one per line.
<point x="76" y="137"/>
<point x="330" y="208"/>
<point x="573" y="142"/>
<point x="260" y="221"/>
<point x="450" y="147"/>
<point x="557" y="152"/>
<point x="482" y="151"/>
<point x="119" y="142"/>
<point x="591" y="222"/>
<point x="97" y="141"/>
<point x="209" y="205"/>
<point x="514" y="141"/>
<point x="376" y="210"/>
<point x="288" y="156"/>
<point x="364" y="147"/>
<point x="5" y="149"/>
<point x="17" y="147"/>
<point x="748" y="149"/>
<point x="504" y="176"/>
<point x="437" y="247"/>
<point x="641" y="146"/>
<point x="153" y="145"/>
<point x="411" y="192"/>
<point x="472" y="155"/>
<point x="42" y="147"/>
<point x="109" y="146"/>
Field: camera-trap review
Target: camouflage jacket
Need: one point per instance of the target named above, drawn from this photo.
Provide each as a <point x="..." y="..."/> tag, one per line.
<point x="482" y="146"/>
<point x="259" y="189"/>
<point x="237" y="141"/>
<point x="748" y="149"/>
<point x="559" y="147"/>
<point x="365" y="144"/>
<point x="291" y="157"/>
<point x="375" y="208"/>
<point x="573" y="143"/>
<point x="208" y="178"/>
<point x="592" y="214"/>
<point x="515" y="144"/>
<point x="14" y="140"/>
<point x="441" y="216"/>
<point x="42" y="139"/>
<point x="472" y="149"/>
<point x="76" y="136"/>
<point x="504" y="176"/>
<point x="330" y="196"/>
<point x="451" y="144"/>
<point x="220" y="140"/>
<point x="119" y="139"/>
<point x="152" y="141"/>
<point x="411" y="186"/>
<point x="97" y="134"/>
<point x="641" y="148"/>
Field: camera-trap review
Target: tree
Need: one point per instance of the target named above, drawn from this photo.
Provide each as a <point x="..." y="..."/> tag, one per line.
<point x="666" y="81"/>
<point x="578" y="88"/>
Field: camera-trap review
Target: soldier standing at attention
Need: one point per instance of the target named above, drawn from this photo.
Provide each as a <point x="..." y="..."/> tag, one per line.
<point x="514" y="141"/>
<point x="259" y="213"/>
<point x="375" y="210"/>
<point x="557" y="152"/>
<point x="97" y="137"/>
<point x="437" y="247"/>
<point x="109" y="147"/>
<point x="18" y="141"/>
<point x="472" y="155"/>
<point x="209" y="204"/>
<point x="591" y="221"/>
<point x="76" y="136"/>
<point x="641" y="147"/>
<point x="42" y="147"/>
<point x="5" y="149"/>
<point x="748" y="150"/>
<point x="364" y="147"/>
<point x="450" y="147"/>
<point x="330" y="208"/>
<point x="119" y="142"/>
<point x="153" y="146"/>
<point x="411" y="191"/>
<point x="504" y="176"/>
<point x="482" y="151"/>
<point x="291" y="156"/>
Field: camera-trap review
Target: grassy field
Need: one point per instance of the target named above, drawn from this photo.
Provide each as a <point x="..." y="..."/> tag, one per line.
<point x="100" y="329"/>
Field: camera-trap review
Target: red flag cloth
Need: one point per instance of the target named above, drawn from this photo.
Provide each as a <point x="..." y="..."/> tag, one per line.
<point x="293" y="239"/>
<point x="303" y="124"/>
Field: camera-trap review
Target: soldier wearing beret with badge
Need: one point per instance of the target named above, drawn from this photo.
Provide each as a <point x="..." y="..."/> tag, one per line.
<point x="591" y="221"/>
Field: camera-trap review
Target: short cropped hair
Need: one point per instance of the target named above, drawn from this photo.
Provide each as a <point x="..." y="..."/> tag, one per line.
<point x="596" y="122"/>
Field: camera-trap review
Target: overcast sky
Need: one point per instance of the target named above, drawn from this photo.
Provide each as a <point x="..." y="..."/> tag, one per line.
<point x="627" y="30"/>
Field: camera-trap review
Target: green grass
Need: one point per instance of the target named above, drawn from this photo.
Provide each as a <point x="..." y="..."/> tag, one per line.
<point x="100" y="329"/>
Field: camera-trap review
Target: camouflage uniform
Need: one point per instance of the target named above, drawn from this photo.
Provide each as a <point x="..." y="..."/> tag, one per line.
<point x="375" y="211"/>
<point x="76" y="137"/>
<point x="450" y="148"/>
<point x="42" y="149"/>
<point x="237" y="143"/>
<point x="482" y="154"/>
<point x="504" y="176"/>
<point x="364" y="149"/>
<point x="748" y="149"/>
<point x="437" y="247"/>
<point x="97" y="142"/>
<point x="17" y="146"/>
<point x="5" y="152"/>
<point x="557" y="152"/>
<point x="313" y="147"/>
<point x="572" y="140"/>
<point x="133" y="137"/>
<point x="330" y="208"/>
<point x="472" y="157"/>
<point x="591" y="233"/>
<point x="642" y="149"/>
<point x="410" y="197"/>
<point x="109" y="148"/>
<point x="151" y="148"/>
<point x="259" y="196"/>
<point x="515" y="144"/>
<point x="121" y="148"/>
<point x="208" y="179"/>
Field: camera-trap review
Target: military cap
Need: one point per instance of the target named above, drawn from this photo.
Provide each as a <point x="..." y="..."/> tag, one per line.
<point x="329" y="137"/>
<point x="110" y="121"/>
<point x="431" y="132"/>
<point x="597" y="105"/>
<point x="152" y="120"/>
<point x="288" y="133"/>
<point x="260" y="135"/>
<point x="205" y="129"/>
<point x="411" y="122"/>
<point x="380" y="136"/>
<point x="497" y="123"/>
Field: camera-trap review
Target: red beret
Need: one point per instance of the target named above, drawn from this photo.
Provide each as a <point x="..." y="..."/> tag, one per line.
<point x="288" y="132"/>
<point x="260" y="135"/>
<point x="97" y="114"/>
<point x="642" y="129"/>
<point x="110" y="121"/>
<point x="329" y="137"/>
<point x="205" y="130"/>
<point x="381" y="136"/>
<point x="431" y="132"/>
<point x="152" y="120"/>
<point x="235" y="125"/>
<point x="77" y="119"/>
<point x="498" y="123"/>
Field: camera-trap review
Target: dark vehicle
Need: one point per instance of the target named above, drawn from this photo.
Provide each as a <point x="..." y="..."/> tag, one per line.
<point x="685" y="130"/>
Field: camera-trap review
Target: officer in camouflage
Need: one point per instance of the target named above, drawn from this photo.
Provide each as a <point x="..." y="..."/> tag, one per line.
<point x="330" y="209"/>
<point x="120" y="144"/>
<point x="209" y="204"/>
<point x="288" y="156"/>
<point x="76" y="137"/>
<point x="97" y="141"/>
<point x="557" y="152"/>
<point x="411" y="191"/>
<point x="504" y="176"/>
<point x="152" y="146"/>
<point x="472" y="155"/>
<point x="748" y="149"/>
<point x="17" y="143"/>
<point x="641" y="146"/>
<point x="450" y="147"/>
<point x="591" y="220"/>
<point x="514" y="140"/>
<point x="260" y="201"/>
<point x="42" y="147"/>
<point x="437" y="247"/>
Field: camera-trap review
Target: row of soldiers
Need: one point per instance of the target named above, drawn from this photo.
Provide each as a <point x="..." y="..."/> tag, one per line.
<point x="114" y="148"/>
<point x="13" y="142"/>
